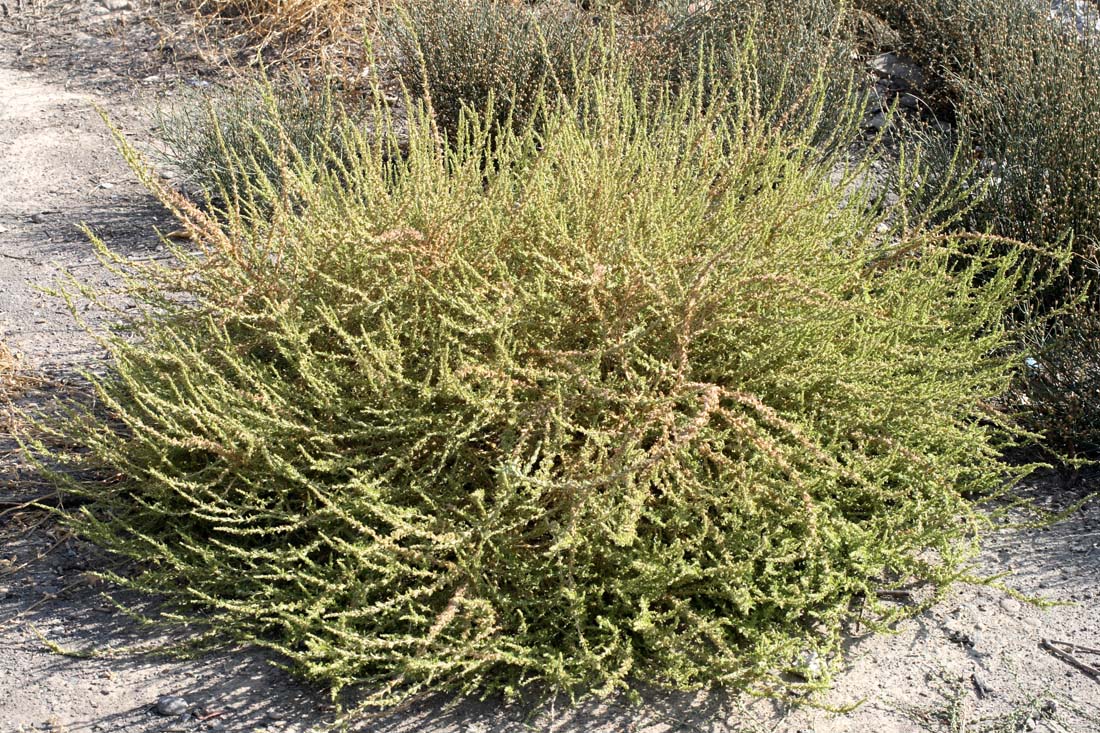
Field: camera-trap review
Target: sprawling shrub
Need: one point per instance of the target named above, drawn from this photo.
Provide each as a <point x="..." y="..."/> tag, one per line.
<point x="640" y="396"/>
<point x="1024" y="89"/>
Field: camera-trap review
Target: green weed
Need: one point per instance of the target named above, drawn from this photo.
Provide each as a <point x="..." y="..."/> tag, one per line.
<point x="636" y="394"/>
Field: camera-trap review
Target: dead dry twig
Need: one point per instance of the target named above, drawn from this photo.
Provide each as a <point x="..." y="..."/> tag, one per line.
<point x="1068" y="653"/>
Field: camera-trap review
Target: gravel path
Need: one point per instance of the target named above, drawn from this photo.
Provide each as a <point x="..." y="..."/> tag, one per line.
<point x="59" y="169"/>
<point x="978" y="652"/>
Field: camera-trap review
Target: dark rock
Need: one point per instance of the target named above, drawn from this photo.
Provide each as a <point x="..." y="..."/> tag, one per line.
<point x="877" y="121"/>
<point x="965" y="638"/>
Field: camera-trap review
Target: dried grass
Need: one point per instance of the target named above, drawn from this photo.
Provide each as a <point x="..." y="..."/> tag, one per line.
<point x="308" y="33"/>
<point x="12" y="383"/>
<point x="11" y="378"/>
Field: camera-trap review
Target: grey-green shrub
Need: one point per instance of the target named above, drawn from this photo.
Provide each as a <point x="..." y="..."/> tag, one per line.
<point x="1024" y="91"/>
<point x="472" y="52"/>
<point x="794" y="42"/>
<point x="236" y="137"/>
<point x="1056" y="393"/>
<point x="638" y="395"/>
<point x="483" y="52"/>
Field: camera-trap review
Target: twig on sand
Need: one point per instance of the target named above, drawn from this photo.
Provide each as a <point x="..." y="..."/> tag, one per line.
<point x="46" y="598"/>
<point x="36" y="558"/>
<point x="51" y="499"/>
<point x="20" y="258"/>
<point x="1066" y="651"/>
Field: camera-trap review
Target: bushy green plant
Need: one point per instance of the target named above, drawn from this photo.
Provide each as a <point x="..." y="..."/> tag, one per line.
<point x="640" y="395"/>
<point x="485" y="52"/>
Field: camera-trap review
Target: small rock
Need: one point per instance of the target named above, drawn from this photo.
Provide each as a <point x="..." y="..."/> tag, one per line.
<point x="1049" y="708"/>
<point x="908" y="101"/>
<point x="811" y="665"/>
<point x="116" y="4"/>
<point x="981" y="686"/>
<point x="171" y="705"/>
<point x="898" y="68"/>
<point x="107" y="185"/>
<point x="1010" y="605"/>
<point x="1030" y="725"/>
<point x="877" y="121"/>
<point x="38" y="218"/>
<point x="962" y="637"/>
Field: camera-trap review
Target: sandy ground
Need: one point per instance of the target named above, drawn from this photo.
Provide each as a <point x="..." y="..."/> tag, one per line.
<point x="974" y="662"/>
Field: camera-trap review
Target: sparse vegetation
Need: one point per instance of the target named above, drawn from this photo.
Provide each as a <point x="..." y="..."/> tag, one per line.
<point x="958" y="712"/>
